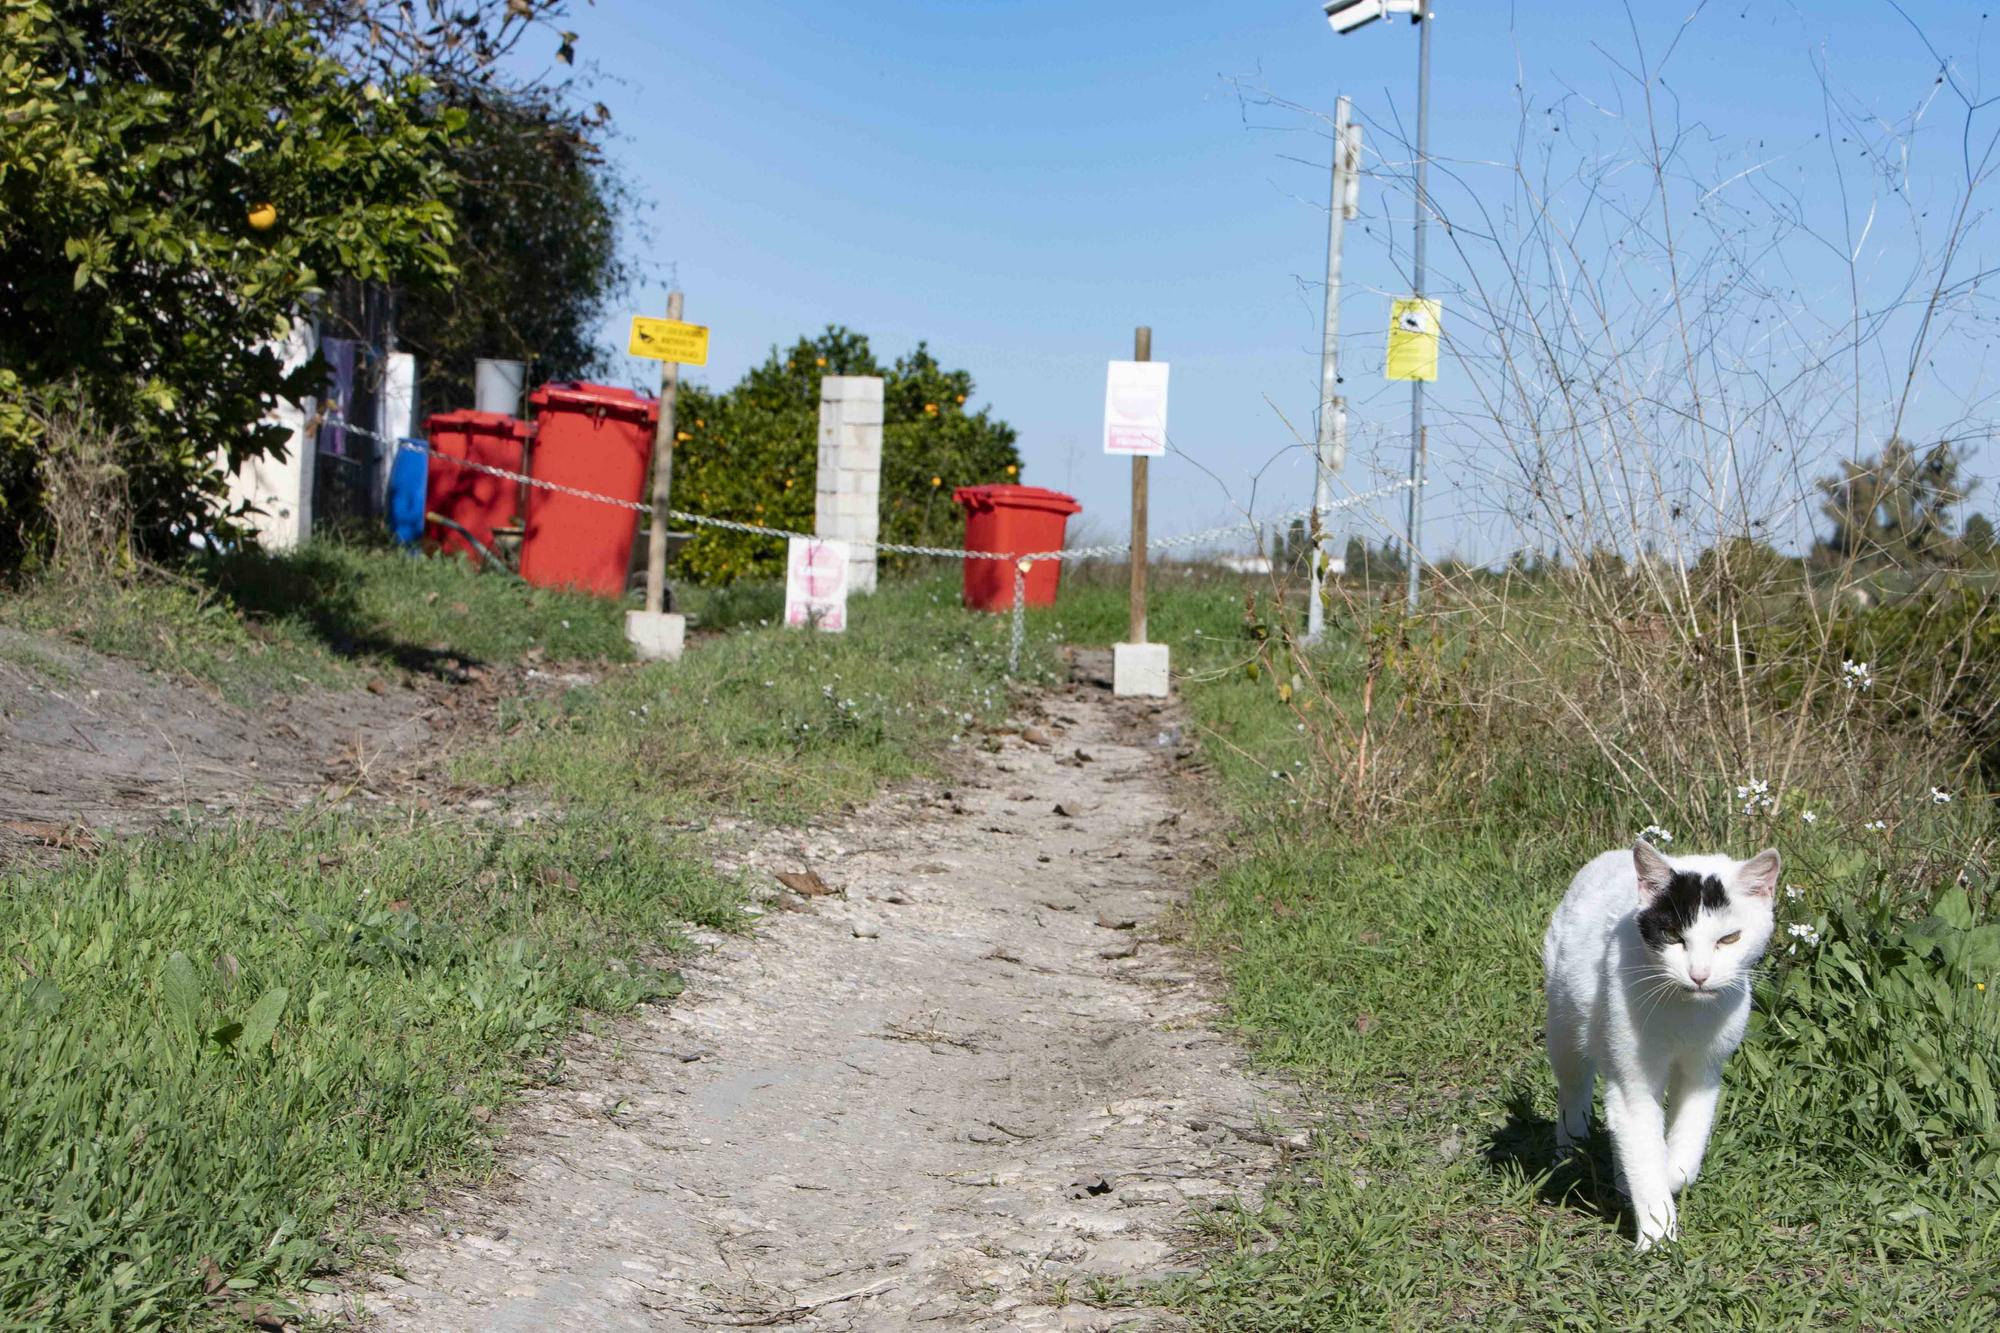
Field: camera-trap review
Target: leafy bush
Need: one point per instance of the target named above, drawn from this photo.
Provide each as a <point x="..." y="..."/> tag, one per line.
<point x="143" y="275"/>
<point x="1885" y="1039"/>
<point x="1933" y="662"/>
<point x="751" y="454"/>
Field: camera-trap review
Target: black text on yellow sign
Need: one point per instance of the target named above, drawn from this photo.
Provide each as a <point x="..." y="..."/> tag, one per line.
<point x="669" y="340"/>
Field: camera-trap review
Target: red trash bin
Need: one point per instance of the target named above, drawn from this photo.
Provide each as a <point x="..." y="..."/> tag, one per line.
<point x="1016" y="521"/>
<point x="476" y="501"/>
<point x="596" y="438"/>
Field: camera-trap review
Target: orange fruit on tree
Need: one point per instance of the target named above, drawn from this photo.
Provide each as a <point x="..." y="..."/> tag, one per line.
<point x="262" y="216"/>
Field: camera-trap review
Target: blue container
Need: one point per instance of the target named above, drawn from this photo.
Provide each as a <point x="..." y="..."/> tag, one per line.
<point x="409" y="483"/>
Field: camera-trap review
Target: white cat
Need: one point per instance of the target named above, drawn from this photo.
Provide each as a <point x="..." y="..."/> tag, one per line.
<point x="1649" y="965"/>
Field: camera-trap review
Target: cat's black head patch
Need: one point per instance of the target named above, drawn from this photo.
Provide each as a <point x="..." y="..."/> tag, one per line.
<point x="1670" y="914"/>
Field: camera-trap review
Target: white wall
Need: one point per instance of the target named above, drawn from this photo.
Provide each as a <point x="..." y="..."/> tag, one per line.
<point x="280" y="486"/>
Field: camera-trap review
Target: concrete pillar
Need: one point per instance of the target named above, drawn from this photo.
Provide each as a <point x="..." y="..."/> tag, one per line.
<point x="848" y="503"/>
<point x="278" y="489"/>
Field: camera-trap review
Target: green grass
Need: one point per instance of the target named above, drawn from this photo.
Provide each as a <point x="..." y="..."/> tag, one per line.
<point x="227" y="1049"/>
<point x="249" y="624"/>
<point x="26" y="655"/>
<point x="1394" y="969"/>
<point x="1400" y="978"/>
<point x="765" y="719"/>
<point x="180" y="628"/>
<point x="224" y="1049"/>
<point x="1391" y="966"/>
<point x="394" y="606"/>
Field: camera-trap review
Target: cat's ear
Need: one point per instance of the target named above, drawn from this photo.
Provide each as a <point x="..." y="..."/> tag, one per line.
<point x="1758" y="876"/>
<point x="1654" y="872"/>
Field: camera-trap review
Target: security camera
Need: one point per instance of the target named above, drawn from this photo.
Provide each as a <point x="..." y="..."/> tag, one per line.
<point x="1347" y="15"/>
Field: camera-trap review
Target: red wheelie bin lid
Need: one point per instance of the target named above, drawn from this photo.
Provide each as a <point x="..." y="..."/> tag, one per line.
<point x="1002" y="496"/>
<point x="467" y="422"/>
<point x="596" y="399"/>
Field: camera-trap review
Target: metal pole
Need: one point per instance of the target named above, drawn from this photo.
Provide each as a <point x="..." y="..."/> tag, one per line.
<point x="1415" y="533"/>
<point x="1142" y="350"/>
<point x="1331" y="451"/>
<point x="663" y="475"/>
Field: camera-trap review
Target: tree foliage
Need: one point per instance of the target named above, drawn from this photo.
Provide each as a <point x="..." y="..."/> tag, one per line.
<point x="751" y="453"/>
<point x="1978" y="538"/>
<point x="1896" y="507"/>
<point x="536" y="251"/>
<point x="456" y="44"/>
<point x="537" y="205"/>
<point x="142" y="135"/>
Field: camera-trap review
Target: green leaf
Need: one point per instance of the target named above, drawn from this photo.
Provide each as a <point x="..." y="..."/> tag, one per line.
<point x="1976" y="953"/>
<point x="44" y="998"/>
<point x="1953" y="908"/>
<point x="181" y="989"/>
<point x="261" y="1023"/>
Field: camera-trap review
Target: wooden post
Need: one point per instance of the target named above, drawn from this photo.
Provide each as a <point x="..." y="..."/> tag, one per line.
<point x="658" y="597"/>
<point x="1142" y="350"/>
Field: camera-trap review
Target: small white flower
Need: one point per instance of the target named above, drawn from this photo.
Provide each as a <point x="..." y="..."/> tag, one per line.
<point x="1800" y="930"/>
<point x="1275" y="774"/>
<point x="1876" y="825"/>
<point x="1855" y="675"/>
<point x="1939" y="796"/>
<point x="1794" y="892"/>
<point x="1808" y="817"/>
<point x="1654" y="833"/>
<point x="1756" y="795"/>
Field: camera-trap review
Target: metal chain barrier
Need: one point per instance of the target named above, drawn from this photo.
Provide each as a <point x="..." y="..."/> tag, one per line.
<point x="1021" y="566"/>
<point x="1019" y="633"/>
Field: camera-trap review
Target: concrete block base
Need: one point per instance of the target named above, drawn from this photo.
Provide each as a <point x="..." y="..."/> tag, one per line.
<point x="656" y="636"/>
<point x="1139" y="670"/>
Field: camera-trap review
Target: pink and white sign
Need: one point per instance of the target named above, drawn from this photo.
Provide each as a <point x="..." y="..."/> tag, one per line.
<point x="1135" y="408"/>
<point x="816" y="584"/>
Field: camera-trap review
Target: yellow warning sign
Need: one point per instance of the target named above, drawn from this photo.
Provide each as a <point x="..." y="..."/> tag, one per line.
<point x="669" y="340"/>
<point x="1413" y="339"/>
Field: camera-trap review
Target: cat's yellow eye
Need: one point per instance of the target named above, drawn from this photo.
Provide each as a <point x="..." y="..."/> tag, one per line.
<point x="1731" y="937"/>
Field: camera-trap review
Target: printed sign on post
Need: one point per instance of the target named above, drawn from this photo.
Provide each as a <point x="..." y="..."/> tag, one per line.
<point x="816" y="584"/>
<point x="1413" y="339"/>
<point x="1135" y="408"/>
<point x="669" y="340"/>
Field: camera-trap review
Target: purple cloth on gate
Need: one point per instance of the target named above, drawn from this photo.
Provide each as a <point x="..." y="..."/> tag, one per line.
<point x="340" y="363"/>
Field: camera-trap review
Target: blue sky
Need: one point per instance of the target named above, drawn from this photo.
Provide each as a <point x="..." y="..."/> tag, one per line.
<point x="1022" y="183"/>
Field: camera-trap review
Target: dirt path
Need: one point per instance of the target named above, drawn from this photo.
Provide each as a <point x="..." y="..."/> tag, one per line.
<point x="947" y="1100"/>
<point x="91" y="742"/>
<point x="106" y="743"/>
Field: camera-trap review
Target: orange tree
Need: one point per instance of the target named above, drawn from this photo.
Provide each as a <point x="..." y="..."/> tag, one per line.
<point x="750" y="453"/>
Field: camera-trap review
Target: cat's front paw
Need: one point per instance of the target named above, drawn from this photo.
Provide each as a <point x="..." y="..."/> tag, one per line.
<point x="1658" y="1229"/>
